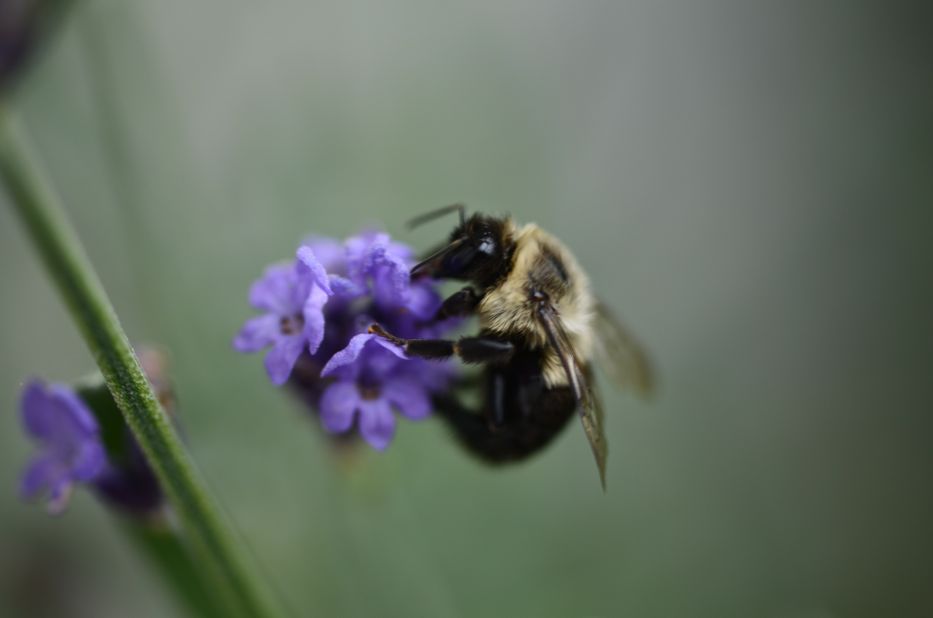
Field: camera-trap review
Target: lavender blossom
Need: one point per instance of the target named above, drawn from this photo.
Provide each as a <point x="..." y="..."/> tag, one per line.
<point x="70" y="446"/>
<point x="371" y="382"/>
<point x="83" y="439"/>
<point x="352" y="378"/>
<point x="293" y="297"/>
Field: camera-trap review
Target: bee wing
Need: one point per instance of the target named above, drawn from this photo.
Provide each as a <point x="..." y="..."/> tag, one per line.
<point x="590" y="411"/>
<point x="620" y="354"/>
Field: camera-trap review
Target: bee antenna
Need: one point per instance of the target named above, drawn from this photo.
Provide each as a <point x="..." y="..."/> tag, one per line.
<point x="437" y="213"/>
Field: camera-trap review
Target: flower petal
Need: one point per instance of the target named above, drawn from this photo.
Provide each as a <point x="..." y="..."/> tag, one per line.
<point x="391" y="278"/>
<point x="89" y="462"/>
<point x="273" y="292"/>
<point x="257" y="333"/>
<point x="409" y="396"/>
<point x="338" y="406"/>
<point x="56" y="416"/>
<point x="36" y="410"/>
<point x="347" y="355"/>
<point x="357" y="250"/>
<point x="423" y="301"/>
<point x="73" y="413"/>
<point x="330" y="252"/>
<point x="350" y="353"/>
<point x="345" y="287"/>
<point x="377" y="423"/>
<point x="39" y="475"/>
<point x="281" y="358"/>
<point x="309" y="266"/>
<point x="313" y="313"/>
<point x="391" y="347"/>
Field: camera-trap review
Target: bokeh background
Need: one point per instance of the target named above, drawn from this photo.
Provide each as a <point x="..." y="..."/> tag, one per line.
<point x="749" y="184"/>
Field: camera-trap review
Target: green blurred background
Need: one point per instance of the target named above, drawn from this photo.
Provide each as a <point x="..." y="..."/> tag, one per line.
<point x="749" y="184"/>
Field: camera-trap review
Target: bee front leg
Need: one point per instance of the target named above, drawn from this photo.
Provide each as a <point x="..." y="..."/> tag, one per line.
<point x="459" y="304"/>
<point x="467" y="349"/>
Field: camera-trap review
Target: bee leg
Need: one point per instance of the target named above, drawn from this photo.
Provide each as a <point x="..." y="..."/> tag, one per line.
<point x="473" y="431"/>
<point x="458" y="304"/>
<point x="495" y="412"/>
<point x="467" y="349"/>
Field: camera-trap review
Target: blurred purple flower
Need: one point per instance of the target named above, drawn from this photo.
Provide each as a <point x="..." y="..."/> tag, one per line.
<point x="352" y="377"/>
<point x="83" y="439"/>
<point x="69" y="439"/>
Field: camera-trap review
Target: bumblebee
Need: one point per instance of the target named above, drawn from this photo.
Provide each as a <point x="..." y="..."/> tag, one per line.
<point x="540" y="331"/>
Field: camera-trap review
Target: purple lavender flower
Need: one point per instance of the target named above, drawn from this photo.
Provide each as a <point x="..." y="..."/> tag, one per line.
<point x="371" y="381"/>
<point x="69" y="439"/>
<point x="354" y="378"/>
<point x="381" y="265"/>
<point x="83" y="439"/>
<point x="293" y="296"/>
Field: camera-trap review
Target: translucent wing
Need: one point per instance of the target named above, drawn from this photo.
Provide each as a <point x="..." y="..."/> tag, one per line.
<point x="620" y="354"/>
<point x="590" y="412"/>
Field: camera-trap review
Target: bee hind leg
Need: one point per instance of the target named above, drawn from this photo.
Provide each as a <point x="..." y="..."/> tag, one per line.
<point x="503" y="431"/>
<point x="474" y="432"/>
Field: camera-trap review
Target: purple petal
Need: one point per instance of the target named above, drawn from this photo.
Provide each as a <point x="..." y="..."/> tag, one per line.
<point x="71" y="446"/>
<point x="433" y="376"/>
<point x="409" y="396"/>
<point x="36" y="410"/>
<point x="281" y="358"/>
<point x="391" y="347"/>
<point x="73" y="412"/>
<point x="338" y="406"/>
<point x="313" y="313"/>
<point x="357" y="248"/>
<point x="350" y="353"/>
<point x="345" y="287"/>
<point x="373" y="254"/>
<point x="330" y="252"/>
<point x="379" y="362"/>
<point x="347" y="355"/>
<point x="390" y="277"/>
<point x="423" y="301"/>
<point x="377" y="424"/>
<point x="89" y="462"/>
<point x="274" y="291"/>
<point x="55" y="415"/>
<point x="257" y="333"/>
<point x="309" y="266"/>
<point x="39" y="475"/>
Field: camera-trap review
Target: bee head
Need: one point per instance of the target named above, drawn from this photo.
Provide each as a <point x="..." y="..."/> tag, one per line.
<point x="479" y="251"/>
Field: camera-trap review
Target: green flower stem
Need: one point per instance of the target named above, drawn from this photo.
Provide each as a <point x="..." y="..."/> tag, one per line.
<point x="201" y="518"/>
